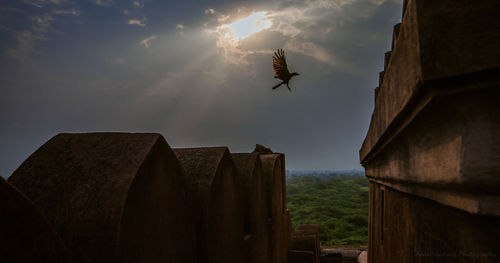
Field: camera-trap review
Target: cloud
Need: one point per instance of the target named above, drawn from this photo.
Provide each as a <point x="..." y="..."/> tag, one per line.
<point x="138" y="4"/>
<point x="291" y="24"/>
<point x="66" y="12"/>
<point x="191" y="86"/>
<point x="136" y="22"/>
<point x="379" y="2"/>
<point x="104" y="2"/>
<point x="28" y="39"/>
<point x="42" y="3"/>
<point x="310" y="49"/>
<point x="315" y="28"/>
<point x="146" y="42"/>
<point x="223" y="18"/>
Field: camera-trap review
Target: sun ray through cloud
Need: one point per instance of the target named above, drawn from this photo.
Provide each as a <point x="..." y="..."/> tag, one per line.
<point x="141" y="63"/>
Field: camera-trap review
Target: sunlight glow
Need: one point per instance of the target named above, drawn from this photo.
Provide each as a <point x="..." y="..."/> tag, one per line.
<point x="248" y="26"/>
<point x="229" y="36"/>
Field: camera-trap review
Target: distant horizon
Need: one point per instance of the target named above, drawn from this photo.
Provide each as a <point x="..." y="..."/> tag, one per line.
<point x="325" y="170"/>
<point x="297" y="171"/>
<point x="323" y="173"/>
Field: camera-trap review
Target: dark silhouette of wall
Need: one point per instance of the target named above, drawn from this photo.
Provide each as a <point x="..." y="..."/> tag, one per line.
<point x="256" y="206"/>
<point x="122" y="197"/>
<point x="214" y="188"/>
<point x="112" y="197"/>
<point x="275" y="180"/>
<point x="25" y="235"/>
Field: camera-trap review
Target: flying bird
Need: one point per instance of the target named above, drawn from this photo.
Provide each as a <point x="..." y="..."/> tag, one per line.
<point x="281" y="70"/>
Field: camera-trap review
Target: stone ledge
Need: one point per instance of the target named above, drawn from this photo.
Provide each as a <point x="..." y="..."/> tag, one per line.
<point x="480" y="204"/>
<point x="451" y="145"/>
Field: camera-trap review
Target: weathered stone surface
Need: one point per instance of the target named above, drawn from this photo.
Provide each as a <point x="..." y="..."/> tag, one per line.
<point x="112" y="197"/>
<point x="289" y="230"/>
<point x="261" y="149"/>
<point x="451" y="145"/>
<point x="405" y="228"/>
<point x="275" y="178"/>
<point x="25" y="235"/>
<point x="214" y="190"/>
<point x="398" y="82"/>
<point x="437" y="41"/>
<point x="307" y="230"/>
<point x="457" y="37"/>
<point x="434" y="126"/>
<point x="363" y="257"/>
<point x="306" y="242"/>
<point x="297" y="256"/>
<point x="341" y="255"/>
<point x="256" y="207"/>
<point x="395" y="34"/>
<point x="433" y="140"/>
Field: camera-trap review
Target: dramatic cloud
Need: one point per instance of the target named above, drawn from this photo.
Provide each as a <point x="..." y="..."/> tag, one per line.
<point x="301" y="25"/>
<point x="199" y="75"/>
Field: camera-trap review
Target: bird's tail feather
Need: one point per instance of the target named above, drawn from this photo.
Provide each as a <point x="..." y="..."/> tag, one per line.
<point x="275" y="87"/>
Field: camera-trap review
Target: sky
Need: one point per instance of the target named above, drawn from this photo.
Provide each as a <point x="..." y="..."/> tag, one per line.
<point x="197" y="72"/>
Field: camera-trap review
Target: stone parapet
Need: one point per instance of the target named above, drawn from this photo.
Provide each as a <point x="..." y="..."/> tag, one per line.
<point x="275" y="179"/>
<point x="256" y="206"/>
<point x="214" y="189"/>
<point x="434" y="130"/>
<point x="111" y="197"/>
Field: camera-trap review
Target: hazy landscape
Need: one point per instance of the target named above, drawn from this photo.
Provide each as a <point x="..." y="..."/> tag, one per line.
<point x="335" y="200"/>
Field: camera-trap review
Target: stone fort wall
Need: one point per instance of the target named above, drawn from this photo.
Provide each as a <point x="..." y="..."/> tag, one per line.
<point x="432" y="150"/>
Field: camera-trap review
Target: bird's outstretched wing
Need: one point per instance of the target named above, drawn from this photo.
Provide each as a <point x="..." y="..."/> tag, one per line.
<point x="279" y="65"/>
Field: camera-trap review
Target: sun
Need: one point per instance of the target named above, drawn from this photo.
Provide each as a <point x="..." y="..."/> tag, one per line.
<point x="247" y="26"/>
<point x="229" y="37"/>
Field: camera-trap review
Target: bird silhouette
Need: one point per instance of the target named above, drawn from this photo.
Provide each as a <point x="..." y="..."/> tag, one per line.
<point x="281" y="69"/>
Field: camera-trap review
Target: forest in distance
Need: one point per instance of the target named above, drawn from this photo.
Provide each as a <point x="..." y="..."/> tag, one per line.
<point x="337" y="202"/>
